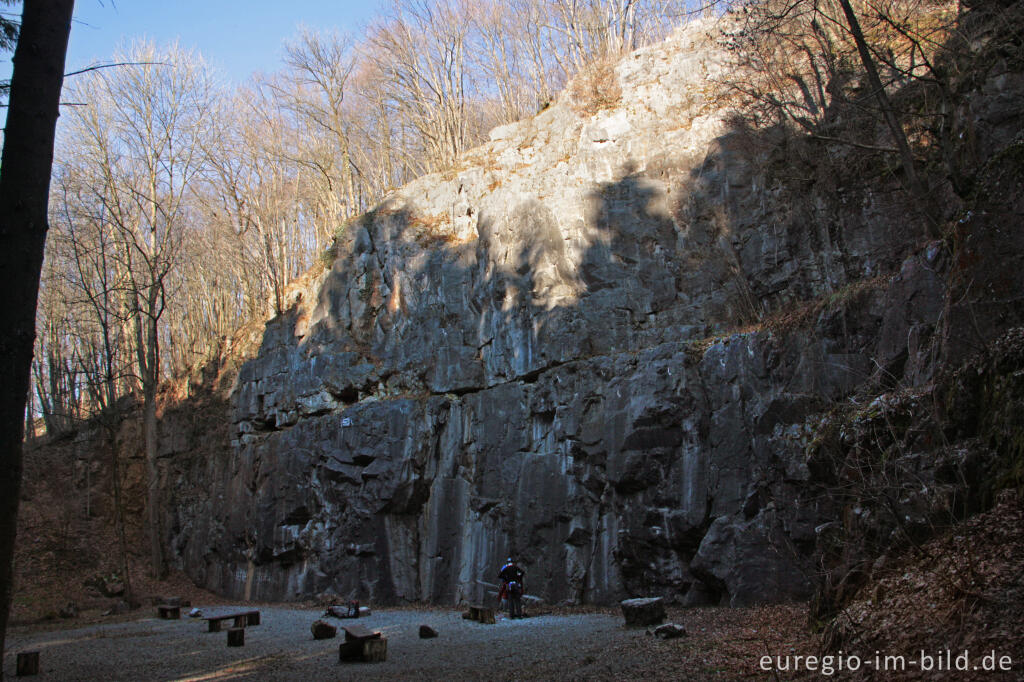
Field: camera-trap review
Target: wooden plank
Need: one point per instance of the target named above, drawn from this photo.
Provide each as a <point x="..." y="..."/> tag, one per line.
<point x="240" y="618"/>
<point x="359" y="633"/>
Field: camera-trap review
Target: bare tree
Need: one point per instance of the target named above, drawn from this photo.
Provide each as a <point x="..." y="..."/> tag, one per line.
<point x="319" y="66"/>
<point x="420" y="52"/>
<point x="86" y="271"/>
<point x="263" y="174"/>
<point x="801" y="62"/>
<point x="143" y="134"/>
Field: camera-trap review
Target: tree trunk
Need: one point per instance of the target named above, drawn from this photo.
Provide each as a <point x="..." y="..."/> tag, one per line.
<point x="24" y="193"/>
<point x="122" y="541"/>
<point x="153" y="497"/>
<point x="914" y="183"/>
<point x="149" y="388"/>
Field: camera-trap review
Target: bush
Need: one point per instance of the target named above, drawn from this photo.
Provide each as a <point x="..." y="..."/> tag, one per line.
<point x="596" y="86"/>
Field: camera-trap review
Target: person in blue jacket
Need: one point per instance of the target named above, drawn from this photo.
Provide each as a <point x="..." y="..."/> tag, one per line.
<point x="512" y="587"/>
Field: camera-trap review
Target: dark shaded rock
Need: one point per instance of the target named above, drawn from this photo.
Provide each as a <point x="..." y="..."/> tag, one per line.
<point x="427" y="632"/>
<point x="739" y="557"/>
<point x="700" y="594"/>
<point x="69" y="610"/>
<point x="643" y="611"/>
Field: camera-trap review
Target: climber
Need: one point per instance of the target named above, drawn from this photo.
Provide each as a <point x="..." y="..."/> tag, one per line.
<point x="512" y="587"/>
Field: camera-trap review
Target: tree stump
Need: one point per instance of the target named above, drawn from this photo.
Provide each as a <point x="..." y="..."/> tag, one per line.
<point x="236" y="637"/>
<point x="169" y="611"/>
<point x="28" y="663"/>
<point x="375" y="650"/>
<point x="481" y="614"/>
<point x="362" y="644"/>
<point x="350" y="651"/>
<point x="323" y="630"/>
<point x="643" y="611"/>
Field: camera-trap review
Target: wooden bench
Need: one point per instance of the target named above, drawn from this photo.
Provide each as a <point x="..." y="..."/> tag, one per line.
<point x="240" y="618"/>
<point x="169" y="611"/>
<point x="362" y="644"/>
<point x="482" y="614"/>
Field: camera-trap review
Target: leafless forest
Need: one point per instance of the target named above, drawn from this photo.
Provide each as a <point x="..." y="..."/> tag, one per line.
<point x="181" y="208"/>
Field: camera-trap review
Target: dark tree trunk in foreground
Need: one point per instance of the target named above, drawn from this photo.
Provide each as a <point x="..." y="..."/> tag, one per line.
<point x="24" y="192"/>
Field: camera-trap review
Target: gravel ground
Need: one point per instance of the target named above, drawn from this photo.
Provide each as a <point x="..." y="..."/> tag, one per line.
<point x="282" y="648"/>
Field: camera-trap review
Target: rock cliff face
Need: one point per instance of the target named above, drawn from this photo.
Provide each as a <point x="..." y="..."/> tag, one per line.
<point x="535" y="354"/>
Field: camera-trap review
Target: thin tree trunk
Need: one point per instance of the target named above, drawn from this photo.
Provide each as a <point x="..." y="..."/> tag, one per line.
<point x="24" y="192"/>
<point x="115" y="465"/>
<point x="914" y="183"/>
<point x="149" y="428"/>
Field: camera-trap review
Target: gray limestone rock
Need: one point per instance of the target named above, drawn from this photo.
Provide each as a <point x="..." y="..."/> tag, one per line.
<point x="532" y="355"/>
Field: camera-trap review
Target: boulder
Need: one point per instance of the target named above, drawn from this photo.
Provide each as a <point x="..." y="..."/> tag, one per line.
<point x="427" y="632"/>
<point x="669" y="631"/>
<point x="643" y="611"/>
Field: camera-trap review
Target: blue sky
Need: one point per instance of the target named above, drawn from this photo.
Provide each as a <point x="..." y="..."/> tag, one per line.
<point x="240" y="36"/>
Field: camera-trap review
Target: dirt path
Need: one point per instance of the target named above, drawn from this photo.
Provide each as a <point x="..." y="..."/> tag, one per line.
<point x="555" y="646"/>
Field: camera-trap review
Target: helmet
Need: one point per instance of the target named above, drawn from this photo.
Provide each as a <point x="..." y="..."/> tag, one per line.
<point x="510" y="560"/>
